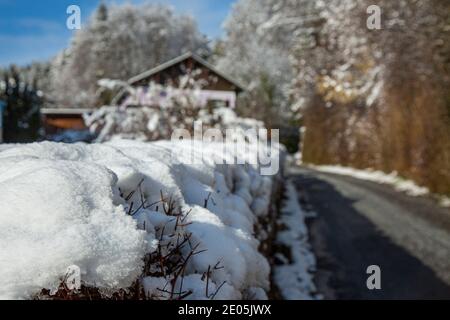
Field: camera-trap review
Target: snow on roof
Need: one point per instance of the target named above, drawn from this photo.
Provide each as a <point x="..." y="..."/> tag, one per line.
<point x="179" y="59"/>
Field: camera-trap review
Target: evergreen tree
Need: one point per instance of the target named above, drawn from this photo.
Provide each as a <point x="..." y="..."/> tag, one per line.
<point x="102" y="12"/>
<point x="21" y="117"/>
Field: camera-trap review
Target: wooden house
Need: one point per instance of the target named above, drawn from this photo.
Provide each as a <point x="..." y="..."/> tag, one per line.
<point x="217" y="87"/>
<point x="56" y="120"/>
<point x="218" y="90"/>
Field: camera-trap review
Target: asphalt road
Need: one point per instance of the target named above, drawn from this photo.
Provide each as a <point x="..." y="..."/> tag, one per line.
<point x="362" y="223"/>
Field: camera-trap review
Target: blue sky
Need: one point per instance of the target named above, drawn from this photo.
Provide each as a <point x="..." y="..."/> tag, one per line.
<point x="36" y="30"/>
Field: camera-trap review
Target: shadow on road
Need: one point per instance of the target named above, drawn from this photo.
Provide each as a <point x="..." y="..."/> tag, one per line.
<point x="346" y="243"/>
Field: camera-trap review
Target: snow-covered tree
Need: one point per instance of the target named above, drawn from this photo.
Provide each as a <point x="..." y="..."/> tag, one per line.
<point x="154" y="113"/>
<point x="256" y="51"/>
<point x="378" y="98"/>
<point x="119" y="42"/>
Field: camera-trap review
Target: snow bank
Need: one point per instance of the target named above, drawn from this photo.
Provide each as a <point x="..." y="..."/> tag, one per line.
<point x="294" y="274"/>
<point x="104" y="207"/>
<point x="400" y="184"/>
<point x="377" y="176"/>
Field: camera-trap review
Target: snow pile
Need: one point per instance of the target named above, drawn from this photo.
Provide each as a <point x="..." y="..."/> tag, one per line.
<point x="106" y="207"/>
<point x="400" y="184"/>
<point x="57" y="212"/>
<point x="393" y="179"/>
<point x="294" y="275"/>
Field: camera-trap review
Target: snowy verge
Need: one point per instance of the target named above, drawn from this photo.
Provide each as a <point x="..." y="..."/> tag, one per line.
<point x="293" y="272"/>
<point x="393" y="179"/>
<point x="126" y="211"/>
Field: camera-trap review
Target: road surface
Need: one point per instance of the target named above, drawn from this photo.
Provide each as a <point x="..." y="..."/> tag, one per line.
<point x="362" y="223"/>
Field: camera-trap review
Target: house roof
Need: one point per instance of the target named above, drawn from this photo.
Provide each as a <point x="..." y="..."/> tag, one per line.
<point x="179" y="59"/>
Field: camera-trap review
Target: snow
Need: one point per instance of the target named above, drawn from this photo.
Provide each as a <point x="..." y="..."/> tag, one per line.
<point x="294" y="277"/>
<point x="400" y="184"/>
<point x="57" y="212"/>
<point x="99" y="207"/>
<point x="377" y="176"/>
<point x="120" y="43"/>
<point x="161" y="110"/>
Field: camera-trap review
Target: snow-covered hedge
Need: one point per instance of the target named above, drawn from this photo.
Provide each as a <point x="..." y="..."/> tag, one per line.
<point x="125" y="211"/>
